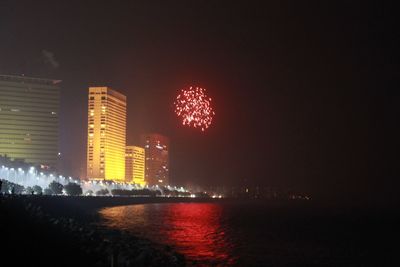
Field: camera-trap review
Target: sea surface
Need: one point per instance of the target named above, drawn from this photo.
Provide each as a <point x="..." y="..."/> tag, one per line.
<point x="260" y="234"/>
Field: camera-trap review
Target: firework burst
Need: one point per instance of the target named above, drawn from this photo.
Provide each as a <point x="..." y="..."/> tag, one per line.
<point x="194" y="107"/>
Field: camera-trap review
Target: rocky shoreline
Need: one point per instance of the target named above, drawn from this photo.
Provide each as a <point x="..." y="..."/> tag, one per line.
<point x="77" y="240"/>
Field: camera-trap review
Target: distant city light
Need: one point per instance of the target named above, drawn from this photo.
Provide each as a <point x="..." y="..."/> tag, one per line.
<point x="194" y="106"/>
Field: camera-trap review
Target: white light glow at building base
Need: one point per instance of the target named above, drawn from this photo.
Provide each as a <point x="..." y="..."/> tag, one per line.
<point x="32" y="177"/>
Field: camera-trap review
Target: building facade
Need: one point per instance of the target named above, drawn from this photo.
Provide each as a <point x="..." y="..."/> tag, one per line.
<point x="29" y="129"/>
<point x="135" y="165"/>
<point x="106" y="134"/>
<point x="157" y="159"/>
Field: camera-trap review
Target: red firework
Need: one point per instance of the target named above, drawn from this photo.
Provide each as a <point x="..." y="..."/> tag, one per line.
<point x="194" y="106"/>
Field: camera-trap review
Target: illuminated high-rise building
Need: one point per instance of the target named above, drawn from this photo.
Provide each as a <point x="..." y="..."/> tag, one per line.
<point x="135" y="165"/>
<point x="29" y="119"/>
<point x="106" y="134"/>
<point x="157" y="160"/>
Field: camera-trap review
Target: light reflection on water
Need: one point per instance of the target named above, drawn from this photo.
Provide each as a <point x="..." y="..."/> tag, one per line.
<point x="258" y="233"/>
<point x="193" y="229"/>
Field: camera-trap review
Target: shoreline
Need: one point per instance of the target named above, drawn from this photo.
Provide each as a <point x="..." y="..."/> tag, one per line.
<point x="84" y="206"/>
<point x="64" y="230"/>
<point x="67" y="228"/>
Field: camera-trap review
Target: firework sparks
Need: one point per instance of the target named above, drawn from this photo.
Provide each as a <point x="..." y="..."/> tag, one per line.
<point x="194" y="107"/>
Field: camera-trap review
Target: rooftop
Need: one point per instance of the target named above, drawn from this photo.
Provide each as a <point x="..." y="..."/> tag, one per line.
<point x="25" y="79"/>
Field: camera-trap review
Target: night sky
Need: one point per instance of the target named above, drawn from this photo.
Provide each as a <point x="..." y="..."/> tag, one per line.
<point x="305" y="95"/>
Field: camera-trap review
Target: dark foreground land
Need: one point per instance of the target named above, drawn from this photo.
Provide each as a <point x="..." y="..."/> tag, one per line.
<point x="63" y="231"/>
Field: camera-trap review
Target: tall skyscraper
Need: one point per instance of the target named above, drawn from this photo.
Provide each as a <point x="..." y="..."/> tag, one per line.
<point x="134" y="165"/>
<point x="157" y="160"/>
<point x="29" y="119"/>
<point x="106" y="134"/>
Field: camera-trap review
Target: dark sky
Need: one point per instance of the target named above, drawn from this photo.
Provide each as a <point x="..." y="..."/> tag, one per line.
<point x="305" y="93"/>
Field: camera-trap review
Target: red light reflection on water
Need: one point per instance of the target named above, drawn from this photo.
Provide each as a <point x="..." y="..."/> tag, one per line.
<point x="196" y="230"/>
<point x="193" y="229"/>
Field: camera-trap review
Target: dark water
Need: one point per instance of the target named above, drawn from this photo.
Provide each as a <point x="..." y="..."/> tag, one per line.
<point x="251" y="234"/>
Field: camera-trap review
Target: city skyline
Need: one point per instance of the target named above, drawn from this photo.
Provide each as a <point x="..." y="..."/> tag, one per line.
<point x="108" y="156"/>
<point x="106" y="129"/>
